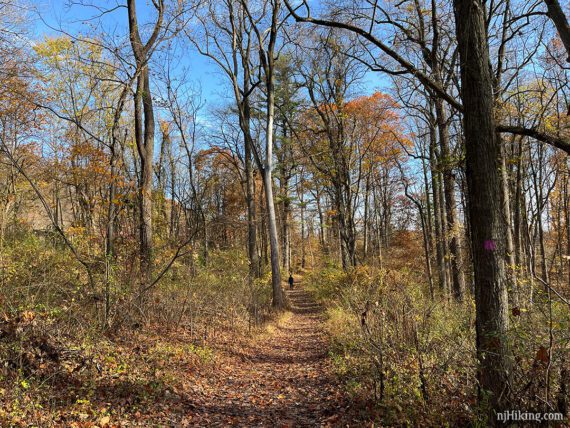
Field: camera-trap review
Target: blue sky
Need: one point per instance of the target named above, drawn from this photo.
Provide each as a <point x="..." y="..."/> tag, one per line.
<point x="57" y="14"/>
<point x="76" y="19"/>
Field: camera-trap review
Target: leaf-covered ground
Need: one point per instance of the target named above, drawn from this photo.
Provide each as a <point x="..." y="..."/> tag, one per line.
<point x="280" y="379"/>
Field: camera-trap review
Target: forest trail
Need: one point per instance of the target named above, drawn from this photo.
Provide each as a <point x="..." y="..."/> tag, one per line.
<point x="282" y="379"/>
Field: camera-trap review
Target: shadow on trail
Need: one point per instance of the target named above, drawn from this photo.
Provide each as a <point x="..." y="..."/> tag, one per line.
<point x="282" y="379"/>
<point x="302" y="303"/>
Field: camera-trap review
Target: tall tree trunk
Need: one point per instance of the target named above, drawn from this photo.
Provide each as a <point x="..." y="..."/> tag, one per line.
<point x="366" y="226"/>
<point x="427" y="254"/>
<point x="346" y="231"/>
<point x="556" y="14"/>
<point x="453" y="238"/>
<point x="377" y="223"/>
<point x="254" y="262"/>
<point x="342" y="250"/>
<point x="262" y="232"/>
<point x="429" y="221"/>
<point x="144" y="136"/>
<point x="529" y="249"/>
<point x="172" y="226"/>
<point x="303" y="243"/>
<point x="567" y="213"/>
<point x="285" y="202"/>
<point x="322" y="238"/>
<point x="438" y="223"/>
<point x="146" y="152"/>
<point x="268" y="61"/>
<point x="245" y="125"/>
<point x="543" y="264"/>
<point x="538" y="181"/>
<point x="444" y="234"/>
<point x="506" y="203"/>
<point x="386" y="211"/>
<point x="486" y="214"/>
<point x="285" y="238"/>
<point x="110" y="233"/>
<point x="301" y="196"/>
<point x="517" y="218"/>
<point x="273" y="235"/>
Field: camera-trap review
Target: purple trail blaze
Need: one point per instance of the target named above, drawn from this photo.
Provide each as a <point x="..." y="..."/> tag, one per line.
<point x="490" y="245"/>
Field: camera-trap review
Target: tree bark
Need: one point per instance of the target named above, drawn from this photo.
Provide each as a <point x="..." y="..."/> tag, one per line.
<point x="146" y="152"/>
<point x="506" y="203"/>
<point x="487" y="220"/>
<point x="365" y="227"/>
<point x="303" y="243"/>
<point x="454" y="238"/>
<point x="567" y="214"/>
<point x="144" y="137"/>
<point x="284" y="177"/>
<point x="245" y="117"/>
<point x="267" y="58"/>
<point x="438" y="223"/>
<point x="556" y="14"/>
<point x="322" y="237"/>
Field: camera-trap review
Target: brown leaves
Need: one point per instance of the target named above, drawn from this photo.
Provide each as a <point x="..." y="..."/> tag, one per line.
<point x="279" y="378"/>
<point x="542" y="355"/>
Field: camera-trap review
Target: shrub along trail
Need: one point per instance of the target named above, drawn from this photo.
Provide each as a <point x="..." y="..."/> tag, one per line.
<point x="280" y="379"/>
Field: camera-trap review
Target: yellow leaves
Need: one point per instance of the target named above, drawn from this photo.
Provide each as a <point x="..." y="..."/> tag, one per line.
<point x="75" y="231"/>
<point x="59" y="49"/>
<point x="53" y="48"/>
<point x="119" y="199"/>
<point x="104" y="421"/>
<point x="531" y="102"/>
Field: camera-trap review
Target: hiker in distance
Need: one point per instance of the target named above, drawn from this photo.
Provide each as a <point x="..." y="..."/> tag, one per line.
<point x="291" y="281"/>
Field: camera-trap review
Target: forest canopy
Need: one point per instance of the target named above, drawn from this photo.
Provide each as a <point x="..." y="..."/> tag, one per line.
<point x="365" y="203"/>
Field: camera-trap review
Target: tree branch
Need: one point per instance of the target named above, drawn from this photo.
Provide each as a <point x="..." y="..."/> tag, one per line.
<point x="557" y="142"/>
<point x="422" y="77"/>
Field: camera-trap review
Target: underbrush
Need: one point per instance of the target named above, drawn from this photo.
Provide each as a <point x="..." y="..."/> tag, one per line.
<point x="410" y="360"/>
<point x="136" y="378"/>
<point x="60" y="365"/>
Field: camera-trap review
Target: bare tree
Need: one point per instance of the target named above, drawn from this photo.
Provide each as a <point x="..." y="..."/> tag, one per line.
<point x="144" y="132"/>
<point x="225" y="36"/>
<point x="267" y="45"/>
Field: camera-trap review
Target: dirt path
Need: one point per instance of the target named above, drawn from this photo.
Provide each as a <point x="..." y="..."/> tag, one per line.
<point x="280" y="380"/>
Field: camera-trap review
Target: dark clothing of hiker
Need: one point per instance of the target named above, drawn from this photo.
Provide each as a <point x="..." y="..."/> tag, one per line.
<point x="291" y="282"/>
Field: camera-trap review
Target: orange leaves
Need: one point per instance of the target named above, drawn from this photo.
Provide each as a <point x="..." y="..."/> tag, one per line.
<point x="371" y="105"/>
<point x="375" y="125"/>
<point x="213" y="157"/>
<point x="164" y="127"/>
<point x="368" y="126"/>
<point x="17" y="101"/>
<point x="28" y="316"/>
